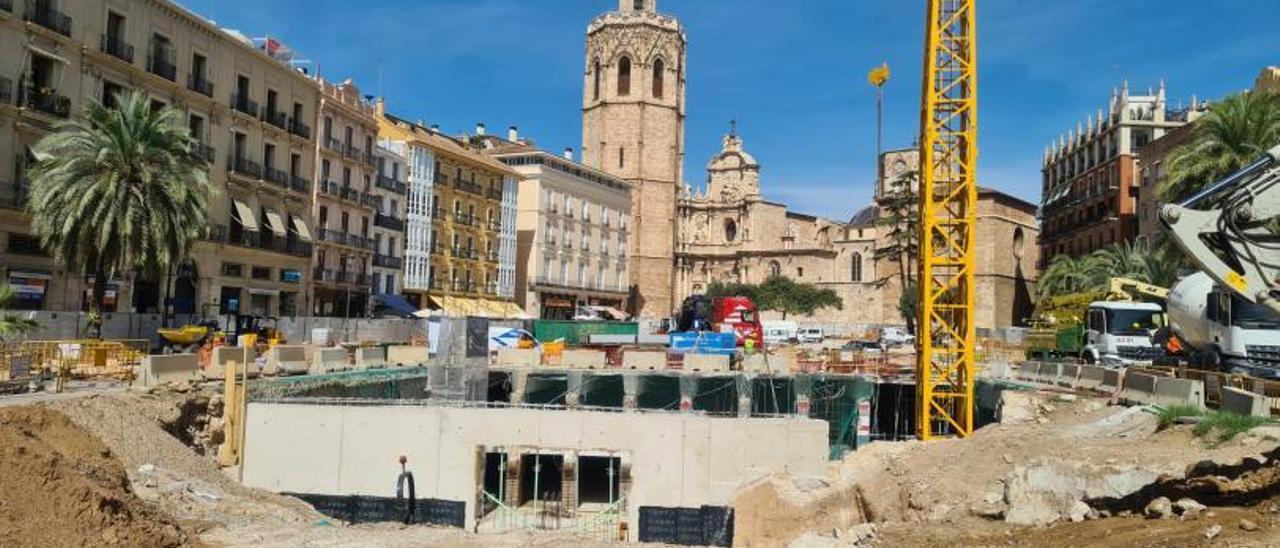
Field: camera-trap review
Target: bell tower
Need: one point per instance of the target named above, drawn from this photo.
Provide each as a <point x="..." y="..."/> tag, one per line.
<point x="633" y="114"/>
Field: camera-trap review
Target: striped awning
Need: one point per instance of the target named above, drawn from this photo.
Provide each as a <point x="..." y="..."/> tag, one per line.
<point x="300" y="228"/>
<point x="275" y="223"/>
<point x="244" y="214"/>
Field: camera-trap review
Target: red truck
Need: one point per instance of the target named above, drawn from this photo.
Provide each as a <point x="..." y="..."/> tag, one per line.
<point x="700" y="313"/>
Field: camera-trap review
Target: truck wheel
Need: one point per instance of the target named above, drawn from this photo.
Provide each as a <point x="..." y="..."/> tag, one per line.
<point x="1088" y="358"/>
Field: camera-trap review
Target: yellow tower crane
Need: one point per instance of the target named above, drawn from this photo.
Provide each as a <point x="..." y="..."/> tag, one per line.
<point x="948" y="210"/>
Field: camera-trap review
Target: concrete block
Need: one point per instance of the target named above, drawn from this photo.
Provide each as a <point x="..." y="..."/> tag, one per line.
<point x="706" y="362"/>
<point x="1242" y="402"/>
<point x="602" y="338"/>
<point x="406" y="355"/>
<point x="999" y="370"/>
<point x="287" y="360"/>
<point x="1027" y="371"/>
<point x="329" y="360"/>
<point x="583" y="359"/>
<point x="1139" y="388"/>
<point x="1112" y="380"/>
<point x="371" y="357"/>
<point x="1048" y="373"/>
<point x="1068" y="374"/>
<point x="170" y="368"/>
<point x="1171" y="391"/>
<point x="243" y="357"/>
<point x="518" y="357"/>
<point x="1090" y="377"/>
<point x="644" y="359"/>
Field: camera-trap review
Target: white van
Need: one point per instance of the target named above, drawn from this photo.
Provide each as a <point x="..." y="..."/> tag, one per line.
<point x="811" y="335"/>
<point x="779" y="332"/>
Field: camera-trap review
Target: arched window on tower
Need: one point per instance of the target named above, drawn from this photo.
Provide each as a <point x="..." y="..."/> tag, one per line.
<point x="624" y="76"/>
<point x="596" y="74"/>
<point x="659" y="72"/>
<point x="857" y="267"/>
<point x="638" y="5"/>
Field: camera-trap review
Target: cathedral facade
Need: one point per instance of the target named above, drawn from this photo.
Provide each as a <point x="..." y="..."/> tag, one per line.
<point x="682" y="239"/>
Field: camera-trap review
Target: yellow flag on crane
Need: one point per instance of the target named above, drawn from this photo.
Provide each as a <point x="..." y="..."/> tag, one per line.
<point x="879" y="75"/>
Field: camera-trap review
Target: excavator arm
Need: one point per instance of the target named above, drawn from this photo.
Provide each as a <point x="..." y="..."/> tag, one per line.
<point x="1226" y="230"/>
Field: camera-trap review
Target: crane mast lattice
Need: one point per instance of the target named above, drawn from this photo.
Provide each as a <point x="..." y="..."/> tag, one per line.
<point x="948" y="209"/>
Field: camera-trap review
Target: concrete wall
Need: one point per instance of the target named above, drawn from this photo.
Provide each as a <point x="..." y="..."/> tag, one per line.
<point x="297" y="330"/>
<point x="678" y="459"/>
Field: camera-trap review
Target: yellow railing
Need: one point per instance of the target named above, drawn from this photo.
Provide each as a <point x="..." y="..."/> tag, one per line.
<point x="80" y="358"/>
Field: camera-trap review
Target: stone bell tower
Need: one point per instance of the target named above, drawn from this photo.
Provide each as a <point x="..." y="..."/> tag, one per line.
<point x="633" y="112"/>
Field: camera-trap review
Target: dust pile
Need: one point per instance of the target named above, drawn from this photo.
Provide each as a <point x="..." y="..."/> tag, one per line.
<point x="61" y="486"/>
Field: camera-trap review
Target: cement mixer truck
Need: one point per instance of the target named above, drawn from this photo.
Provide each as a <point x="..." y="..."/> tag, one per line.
<point x="1230" y="314"/>
<point x="1222" y="330"/>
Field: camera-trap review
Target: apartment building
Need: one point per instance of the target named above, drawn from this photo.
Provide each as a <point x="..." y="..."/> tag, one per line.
<point x="345" y="203"/>
<point x="454" y="260"/>
<point x="572" y="225"/>
<point x="249" y="110"/>
<point x="391" y="193"/>
<point x="1091" y="176"/>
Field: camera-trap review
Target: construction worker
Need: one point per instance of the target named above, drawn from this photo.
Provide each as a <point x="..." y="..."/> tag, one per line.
<point x="749" y="346"/>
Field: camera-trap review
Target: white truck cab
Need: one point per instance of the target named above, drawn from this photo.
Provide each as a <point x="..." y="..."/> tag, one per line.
<point x="1119" y="333"/>
<point x="1223" y="330"/>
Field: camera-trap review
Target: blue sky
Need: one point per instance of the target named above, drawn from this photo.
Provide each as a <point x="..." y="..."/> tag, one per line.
<point x="792" y="72"/>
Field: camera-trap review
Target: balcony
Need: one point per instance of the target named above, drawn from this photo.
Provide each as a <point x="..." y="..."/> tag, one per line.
<point x="463" y="287"/>
<point x="468" y="253"/>
<point x="161" y="62"/>
<point x="48" y="101"/>
<point x="467" y="187"/>
<point x="242" y="103"/>
<point x="387" y="261"/>
<point x="43" y="14"/>
<point x="440" y="178"/>
<point x="369" y="159"/>
<point x="492" y="257"/>
<point x="199" y="83"/>
<point x="278" y="119"/>
<point x="203" y="151"/>
<point x="256" y="240"/>
<point x="115" y="46"/>
<point x="495" y="225"/>
<point x="494" y="193"/>
<point x="330" y="188"/>
<point x="352" y="152"/>
<point x="333" y="144"/>
<point x="300" y="129"/>
<point x="276" y="177"/>
<point x="439" y="214"/>
<point x="393" y="185"/>
<point x="350" y="193"/>
<point x="14" y="194"/>
<point x="465" y="219"/>
<point x="370" y="200"/>
<point x="299" y="184"/>
<point x="388" y="222"/>
<point x="244" y="167"/>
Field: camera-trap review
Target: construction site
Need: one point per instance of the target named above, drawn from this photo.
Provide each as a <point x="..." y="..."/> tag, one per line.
<point x="1126" y="414"/>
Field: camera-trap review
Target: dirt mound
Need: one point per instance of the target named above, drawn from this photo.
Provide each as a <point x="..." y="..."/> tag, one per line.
<point x="60" y="486"/>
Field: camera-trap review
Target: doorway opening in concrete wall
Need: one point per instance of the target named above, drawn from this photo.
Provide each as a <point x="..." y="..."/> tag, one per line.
<point x="599" y="481"/>
<point x="499" y="387"/>
<point x="541" y="477"/>
<point x="495" y="485"/>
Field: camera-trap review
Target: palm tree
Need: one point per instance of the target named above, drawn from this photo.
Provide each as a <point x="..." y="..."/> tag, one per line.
<point x="1066" y="274"/>
<point x="118" y="190"/>
<point x="1235" y="132"/>
<point x="1134" y="261"/>
<point x="10" y="324"/>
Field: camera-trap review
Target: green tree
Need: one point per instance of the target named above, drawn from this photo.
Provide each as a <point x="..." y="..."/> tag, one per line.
<point x="899" y="217"/>
<point x="782" y="294"/>
<point x="908" y="304"/>
<point x="1134" y="261"/>
<point x="1233" y="133"/>
<point x="1066" y="274"/>
<point x="11" y="325"/>
<point x="119" y="190"/>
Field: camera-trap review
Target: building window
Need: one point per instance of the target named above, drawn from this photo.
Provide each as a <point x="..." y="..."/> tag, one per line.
<point x="624" y="76"/>
<point x="730" y="230"/>
<point x="857" y="267"/>
<point x="596" y="76"/>
<point x="800" y="272"/>
<point x="1019" y="242"/>
<point x="638" y="5"/>
<point x="622" y="157"/>
<point x="659" y="72"/>
<point x="775" y="269"/>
